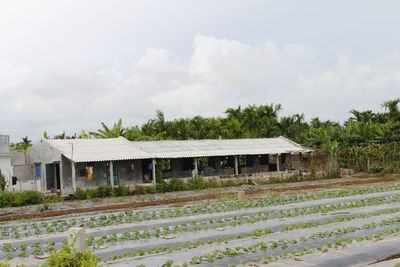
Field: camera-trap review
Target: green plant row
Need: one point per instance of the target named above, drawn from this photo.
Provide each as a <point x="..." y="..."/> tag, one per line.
<point x="197" y="226"/>
<point x="37" y="248"/>
<point x="128" y="216"/>
<point x="190" y="227"/>
<point x="283" y="243"/>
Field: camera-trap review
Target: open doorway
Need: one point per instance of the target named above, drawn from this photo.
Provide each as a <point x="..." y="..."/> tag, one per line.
<point x="53" y="176"/>
<point x="147" y="169"/>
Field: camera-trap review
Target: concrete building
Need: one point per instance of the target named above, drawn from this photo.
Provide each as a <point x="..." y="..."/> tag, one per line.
<point x="66" y="165"/>
<point x="5" y="159"/>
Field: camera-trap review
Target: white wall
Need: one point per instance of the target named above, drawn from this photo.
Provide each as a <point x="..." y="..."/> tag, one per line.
<point x="6" y="168"/>
<point x="41" y="153"/>
<point x="26" y="185"/>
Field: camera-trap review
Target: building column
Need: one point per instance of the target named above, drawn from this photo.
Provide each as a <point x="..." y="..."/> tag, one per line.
<point x="73" y="177"/>
<point x="61" y="175"/>
<point x="196" y="167"/>
<point x="153" y="171"/>
<point x="236" y="165"/>
<point x="290" y="162"/>
<point x="111" y="173"/>
<point x="55" y="176"/>
<point x="278" y="168"/>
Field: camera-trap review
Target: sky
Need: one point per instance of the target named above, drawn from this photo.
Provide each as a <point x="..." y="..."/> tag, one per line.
<point x="68" y="65"/>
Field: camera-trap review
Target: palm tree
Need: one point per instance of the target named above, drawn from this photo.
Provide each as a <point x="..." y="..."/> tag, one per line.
<point x="391" y="107"/>
<point x="25" y="144"/>
<point x="116" y="131"/>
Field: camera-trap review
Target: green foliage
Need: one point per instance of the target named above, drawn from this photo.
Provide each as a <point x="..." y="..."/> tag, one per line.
<point x="144" y="189"/>
<point x="25" y="145"/>
<point x="228" y="183"/>
<point x="9" y="199"/>
<point x="106" y="132"/>
<point x="140" y="189"/>
<point x="197" y="183"/>
<point x="361" y="134"/>
<point x="121" y="190"/>
<point x="67" y="258"/>
<point x="333" y="173"/>
<point x="376" y="168"/>
<point x="176" y="184"/>
<point x="80" y="194"/>
<point x="104" y="191"/>
<point x="3" y="182"/>
<point x="212" y="183"/>
<point x="6" y="199"/>
<point x="150" y="190"/>
<point x="381" y="157"/>
<point x="161" y="185"/>
<point x="27" y="198"/>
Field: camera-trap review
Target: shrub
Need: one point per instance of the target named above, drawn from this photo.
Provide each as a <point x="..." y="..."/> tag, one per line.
<point x="212" y="183"/>
<point x="3" y="181"/>
<point x="375" y="168"/>
<point x="121" y="190"/>
<point x="27" y="198"/>
<point x="6" y="199"/>
<point x="334" y="173"/>
<point x="91" y="193"/>
<point x="140" y="189"/>
<point x="161" y="185"/>
<point x="80" y="194"/>
<point x="144" y="189"/>
<point x="104" y="191"/>
<point x="161" y="188"/>
<point x="391" y="169"/>
<point x="176" y="184"/>
<point x="228" y="183"/>
<point x="33" y="197"/>
<point x="197" y="183"/>
<point x="67" y="258"/>
<point x="150" y="189"/>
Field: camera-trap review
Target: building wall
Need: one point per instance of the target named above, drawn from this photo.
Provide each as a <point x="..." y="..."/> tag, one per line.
<point x="21" y="167"/>
<point x="5" y="158"/>
<point x="66" y="176"/>
<point x="42" y="153"/>
<point x="100" y="170"/>
<point x="6" y="168"/>
<point x="127" y="176"/>
<point x="4" y="144"/>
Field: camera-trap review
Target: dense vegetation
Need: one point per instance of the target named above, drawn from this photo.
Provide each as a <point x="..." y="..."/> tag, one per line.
<point x="366" y="140"/>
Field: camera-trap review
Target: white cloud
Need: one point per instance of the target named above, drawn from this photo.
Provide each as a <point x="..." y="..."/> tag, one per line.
<point x="219" y="73"/>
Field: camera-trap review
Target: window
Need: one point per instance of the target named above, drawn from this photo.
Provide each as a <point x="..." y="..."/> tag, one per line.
<point x="37" y="170"/>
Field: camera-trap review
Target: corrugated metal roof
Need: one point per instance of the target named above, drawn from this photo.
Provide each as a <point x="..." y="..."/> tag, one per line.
<point x="89" y="150"/>
<point x="226" y="147"/>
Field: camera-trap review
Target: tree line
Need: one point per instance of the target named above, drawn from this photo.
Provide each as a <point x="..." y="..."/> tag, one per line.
<point x="362" y="128"/>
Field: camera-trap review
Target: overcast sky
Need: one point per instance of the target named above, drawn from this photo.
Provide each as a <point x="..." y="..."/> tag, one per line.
<point x="69" y="65"/>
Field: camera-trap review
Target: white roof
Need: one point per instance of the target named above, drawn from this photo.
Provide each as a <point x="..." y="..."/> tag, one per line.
<point x="89" y="150"/>
<point x="226" y="147"/>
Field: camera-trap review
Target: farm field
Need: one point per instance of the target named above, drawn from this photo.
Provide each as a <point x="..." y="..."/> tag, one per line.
<point x="357" y="225"/>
